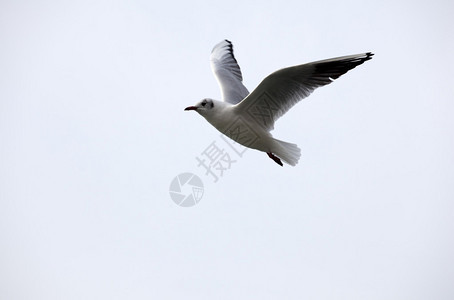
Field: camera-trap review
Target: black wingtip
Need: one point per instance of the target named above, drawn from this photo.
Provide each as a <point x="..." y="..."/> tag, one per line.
<point x="336" y="68"/>
<point x="230" y="45"/>
<point x="231" y="49"/>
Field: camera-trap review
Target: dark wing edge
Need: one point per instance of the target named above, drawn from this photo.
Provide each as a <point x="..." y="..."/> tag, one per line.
<point x="334" y="68"/>
<point x="227" y="58"/>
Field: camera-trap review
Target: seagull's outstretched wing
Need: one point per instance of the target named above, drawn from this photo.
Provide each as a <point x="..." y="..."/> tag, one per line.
<point x="228" y="73"/>
<point x="279" y="91"/>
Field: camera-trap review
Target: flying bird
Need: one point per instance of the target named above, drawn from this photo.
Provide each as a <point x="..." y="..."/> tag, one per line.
<point x="248" y="118"/>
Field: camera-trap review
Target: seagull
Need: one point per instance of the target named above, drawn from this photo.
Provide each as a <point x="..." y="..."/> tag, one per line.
<point x="247" y="118"/>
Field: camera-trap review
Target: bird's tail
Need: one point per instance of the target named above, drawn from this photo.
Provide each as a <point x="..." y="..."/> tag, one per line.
<point x="289" y="153"/>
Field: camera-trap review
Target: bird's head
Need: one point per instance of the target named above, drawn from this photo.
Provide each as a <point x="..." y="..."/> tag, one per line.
<point x="203" y="107"/>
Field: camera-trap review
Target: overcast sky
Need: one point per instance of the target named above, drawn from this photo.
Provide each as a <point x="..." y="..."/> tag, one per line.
<point x="92" y="132"/>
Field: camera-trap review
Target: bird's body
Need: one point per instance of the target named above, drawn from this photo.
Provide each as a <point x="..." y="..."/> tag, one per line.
<point x="242" y="128"/>
<point x="249" y="118"/>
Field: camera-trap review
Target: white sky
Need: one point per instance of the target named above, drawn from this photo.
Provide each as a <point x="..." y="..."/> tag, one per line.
<point x="92" y="132"/>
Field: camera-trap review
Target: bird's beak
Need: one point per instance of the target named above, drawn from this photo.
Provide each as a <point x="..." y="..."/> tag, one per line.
<point x="191" y="108"/>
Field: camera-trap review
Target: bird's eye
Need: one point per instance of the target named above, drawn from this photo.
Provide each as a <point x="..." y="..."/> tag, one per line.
<point x="204" y="103"/>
